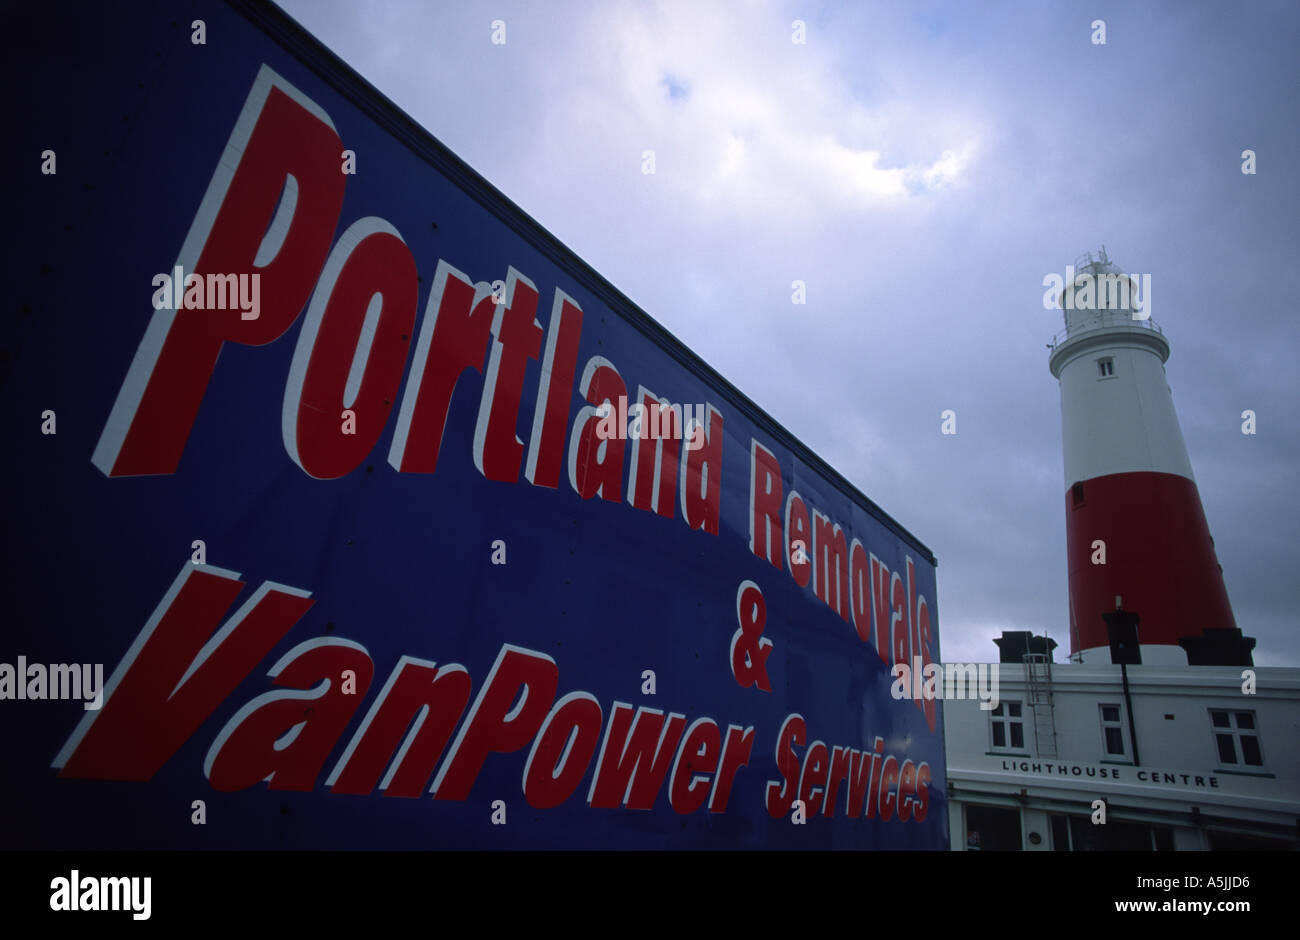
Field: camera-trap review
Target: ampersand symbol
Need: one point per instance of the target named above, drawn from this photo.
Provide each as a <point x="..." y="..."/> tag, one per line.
<point x="749" y="650"/>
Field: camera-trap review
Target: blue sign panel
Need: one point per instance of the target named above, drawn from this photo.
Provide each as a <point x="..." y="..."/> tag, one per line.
<point x="350" y="510"/>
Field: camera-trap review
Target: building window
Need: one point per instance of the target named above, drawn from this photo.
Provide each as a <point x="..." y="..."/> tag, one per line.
<point x="1078" y="834"/>
<point x="992" y="829"/>
<point x="1237" y="738"/>
<point x="1112" y="730"/>
<point x="1008" y="726"/>
<point x="1106" y="367"/>
<point x="1232" y="842"/>
<point x="1060" y="833"/>
<point x="1076" y="493"/>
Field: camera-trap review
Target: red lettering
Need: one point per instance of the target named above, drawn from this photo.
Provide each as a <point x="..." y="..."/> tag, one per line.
<point x="812" y="782"/>
<point x="735" y="754"/>
<point x="887" y="797"/>
<point x="831" y="551"/>
<point x="177" y="672"/>
<point x="697" y="758"/>
<point x="765" y="504"/>
<point x="900" y="648"/>
<point x="634" y="757"/>
<point x="780" y="796"/>
<point x="859" y="782"/>
<point x="653" y="482"/>
<point x="923" y="631"/>
<point x="369" y="262"/>
<point x="496" y="724"/>
<point x="913" y="649"/>
<point x="906" y="790"/>
<point x="701" y="475"/>
<point x="860" y="589"/>
<point x="799" y="539"/>
<point x="288" y="735"/>
<point x="453" y="337"/>
<point x="291" y="144"/>
<point x="417" y="691"/>
<point x="560" y="362"/>
<point x="880" y="607"/>
<point x="497" y="449"/>
<point x="841" y="758"/>
<point x="562" y="750"/>
<point x="873" y="782"/>
<point x="596" y="463"/>
<point x="922" y="792"/>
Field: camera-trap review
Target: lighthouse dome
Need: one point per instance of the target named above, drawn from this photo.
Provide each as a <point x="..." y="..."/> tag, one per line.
<point x="1099" y="295"/>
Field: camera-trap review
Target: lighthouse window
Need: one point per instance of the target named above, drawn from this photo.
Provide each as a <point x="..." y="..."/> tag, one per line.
<point x="1236" y="737"/>
<point x="1106" y="366"/>
<point x="1112" y="730"/>
<point x="1008" y="726"/>
<point x="1077" y="493"/>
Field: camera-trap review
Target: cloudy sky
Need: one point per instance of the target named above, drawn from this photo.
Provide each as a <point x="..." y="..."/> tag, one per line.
<point x="921" y="167"/>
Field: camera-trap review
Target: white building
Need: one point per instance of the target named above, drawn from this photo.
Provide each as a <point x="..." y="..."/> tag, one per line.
<point x="1202" y="766"/>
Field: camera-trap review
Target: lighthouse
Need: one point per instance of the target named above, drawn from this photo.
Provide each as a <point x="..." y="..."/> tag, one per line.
<point x="1136" y="533"/>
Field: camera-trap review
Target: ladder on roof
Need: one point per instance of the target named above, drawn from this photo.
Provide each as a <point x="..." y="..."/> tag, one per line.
<point x="1038" y="680"/>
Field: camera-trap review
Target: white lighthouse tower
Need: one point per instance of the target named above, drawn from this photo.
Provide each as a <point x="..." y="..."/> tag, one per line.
<point x="1135" y="528"/>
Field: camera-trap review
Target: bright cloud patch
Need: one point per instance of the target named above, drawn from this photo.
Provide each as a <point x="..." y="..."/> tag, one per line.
<point x="769" y="125"/>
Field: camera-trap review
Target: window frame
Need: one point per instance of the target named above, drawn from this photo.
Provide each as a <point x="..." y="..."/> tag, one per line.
<point x="1001" y="716"/>
<point x="1118" y="724"/>
<point x="1235" y="732"/>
